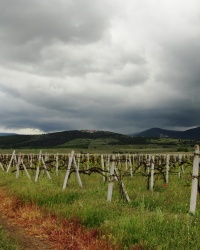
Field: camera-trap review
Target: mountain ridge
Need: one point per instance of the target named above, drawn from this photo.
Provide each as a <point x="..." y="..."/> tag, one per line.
<point x="62" y="138"/>
<point x="57" y="139"/>
<point x="193" y="133"/>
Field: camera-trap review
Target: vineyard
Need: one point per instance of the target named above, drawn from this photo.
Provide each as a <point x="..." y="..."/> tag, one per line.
<point x="148" y="201"/>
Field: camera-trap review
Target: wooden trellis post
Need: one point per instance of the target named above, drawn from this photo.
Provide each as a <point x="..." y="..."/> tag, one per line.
<point x="40" y="163"/>
<point x="78" y="160"/>
<point x="77" y="172"/>
<point x="122" y="186"/>
<point x="180" y="165"/>
<point x="108" y="162"/>
<point x="111" y="178"/>
<point x="12" y="157"/>
<point x="46" y="158"/>
<point x="126" y="162"/>
<point x="105" y="161"/>
<point x="88" y="161"/>
<point x="38" y="166"/>
<point x="195" y="179"/>
<point x="57" y="164"/>
<point x="17" y="165"/>
<point x="167" y="168"/>
<point x="130" y="165"/>
<point x="1" y="165"/>
<point x="25" y="169"/>
<point x="31" y="160"/>
<point x="114" y="175"/>
<point x="103" y="167"/>
<point x="45" y="168"/>
<point x="152" y="174"/>
<point x="72" y="159"/>
<point x="68" y="170"/>
<point x="148" y="164"/>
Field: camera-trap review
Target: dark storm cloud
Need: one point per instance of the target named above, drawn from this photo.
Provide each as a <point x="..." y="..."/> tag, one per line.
<point x="120" y="66"/>
<point x="164" y="118"/>
<point x="181" y="61"/>
<point x="29" y="28"/>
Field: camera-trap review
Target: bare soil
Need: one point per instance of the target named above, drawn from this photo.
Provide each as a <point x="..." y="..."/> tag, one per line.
<point x="30" y="227"/>
<point x="21" y="239"/>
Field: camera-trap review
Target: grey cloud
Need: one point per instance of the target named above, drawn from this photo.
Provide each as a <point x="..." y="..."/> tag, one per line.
<point x="68" y="60"/>
<point x="29" y="28"/>
<point x="97" y="116"/>
<point x="76" y="21"/>
<point x="130" y="75"/>
<point x="81" y="64"/>
<point x="9" y="91"/>
<point x="181" y="62"/>
<point x="51" y="39"/>
<point x="21" y="54"/>
<point x="138" y="120"/>
<point x="46" y="116"/>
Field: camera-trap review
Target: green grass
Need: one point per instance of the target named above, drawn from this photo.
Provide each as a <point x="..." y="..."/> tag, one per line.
<point x="153" y="220"/>
<point x="5" y="242"/>
<point x="101" y="146"/>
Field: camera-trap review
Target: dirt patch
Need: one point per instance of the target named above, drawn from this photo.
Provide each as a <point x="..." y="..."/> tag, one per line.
<point x="21" y="239"/>
<point x="33" y="228"/>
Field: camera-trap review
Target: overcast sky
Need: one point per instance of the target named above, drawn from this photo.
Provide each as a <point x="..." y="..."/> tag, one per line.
<point x="117" y="65"/>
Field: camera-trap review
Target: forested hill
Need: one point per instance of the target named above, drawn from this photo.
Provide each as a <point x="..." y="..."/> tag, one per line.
<point x="59" y="138"/>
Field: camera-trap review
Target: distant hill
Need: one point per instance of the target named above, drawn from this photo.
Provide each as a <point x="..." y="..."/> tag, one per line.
<point x="158" y="133"/>
<point x="7" y="134"/>
<point x="86" y="138"/>
<point x="60" y="139"/>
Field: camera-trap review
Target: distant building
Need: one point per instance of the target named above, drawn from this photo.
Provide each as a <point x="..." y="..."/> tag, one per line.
<point x="89" y="131"/>
<point x="164" y="136"/>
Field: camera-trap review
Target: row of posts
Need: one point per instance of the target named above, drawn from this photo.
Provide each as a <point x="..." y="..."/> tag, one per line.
<point x="114" y="173"/>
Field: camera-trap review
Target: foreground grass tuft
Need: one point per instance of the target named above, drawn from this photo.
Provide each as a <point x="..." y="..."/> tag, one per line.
<point x="5" y="242"/>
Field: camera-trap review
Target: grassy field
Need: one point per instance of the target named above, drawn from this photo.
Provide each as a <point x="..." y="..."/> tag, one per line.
<point x="102" y="146"/>
<point x="5" y="242"/>
<point x="106" y="145"/>
<point x="152" y="220"/>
